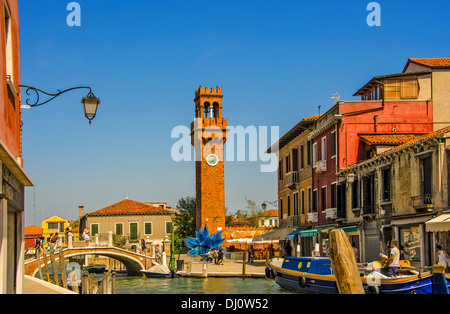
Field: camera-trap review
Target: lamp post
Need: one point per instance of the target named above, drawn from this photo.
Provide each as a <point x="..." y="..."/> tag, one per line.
<point x="90" y="102"/>
<point x="264" y="205"/>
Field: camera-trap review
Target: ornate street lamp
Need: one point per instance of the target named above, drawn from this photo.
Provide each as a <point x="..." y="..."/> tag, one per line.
<point x="264" y="205"/>
<point x="90" y="102"/>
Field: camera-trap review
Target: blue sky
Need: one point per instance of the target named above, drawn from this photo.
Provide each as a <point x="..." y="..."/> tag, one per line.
<point x="277" y="60"/>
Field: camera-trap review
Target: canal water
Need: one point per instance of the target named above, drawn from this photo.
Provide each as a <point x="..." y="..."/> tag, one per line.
<point x="192" y="285"/>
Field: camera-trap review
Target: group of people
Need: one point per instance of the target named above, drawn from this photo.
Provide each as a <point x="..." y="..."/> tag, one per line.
<point x="396" y="254"/>
<point x="215" y="256"/>
<point x="52" y="241"/>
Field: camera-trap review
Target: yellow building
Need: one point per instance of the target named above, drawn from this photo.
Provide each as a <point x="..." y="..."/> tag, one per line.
<point x="54" y="224"/>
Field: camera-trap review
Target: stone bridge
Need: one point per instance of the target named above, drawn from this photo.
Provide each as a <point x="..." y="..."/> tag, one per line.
<point x="133" y="262"/>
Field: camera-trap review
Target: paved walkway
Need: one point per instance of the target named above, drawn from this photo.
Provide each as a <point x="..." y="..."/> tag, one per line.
<point x="33" y="285"/>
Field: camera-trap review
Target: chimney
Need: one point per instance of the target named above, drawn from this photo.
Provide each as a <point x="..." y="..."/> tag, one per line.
<point x="80" y="211"/>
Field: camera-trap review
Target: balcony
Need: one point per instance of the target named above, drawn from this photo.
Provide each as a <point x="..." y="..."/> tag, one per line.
<point x="313" y="217"/>
<point x="422" y="202"/>
<point x="331" y="213"/>
<point x="290" y="222"/>
<point x="292" y="179"/>
<point x="321" y="166"/>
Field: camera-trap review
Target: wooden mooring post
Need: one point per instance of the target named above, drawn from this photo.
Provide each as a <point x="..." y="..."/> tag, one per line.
<point x="344" y="264"/>
<point x="62" y="266"/>
<point x="89" y="283"/>
<point x="55" y="268"/>
<point x="38" y="259"/>
<point x="244" y="257"/>
<point x="44" y="256"/>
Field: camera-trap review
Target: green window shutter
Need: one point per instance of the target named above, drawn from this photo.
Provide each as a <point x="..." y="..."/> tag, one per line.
<point x="119" y="229"/>
<point x="168" y="227"/>
<point x="148" y="228"/>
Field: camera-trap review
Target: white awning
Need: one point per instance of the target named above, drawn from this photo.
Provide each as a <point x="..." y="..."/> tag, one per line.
<point x="243" y="240"/>
<point x="440" y="223"/>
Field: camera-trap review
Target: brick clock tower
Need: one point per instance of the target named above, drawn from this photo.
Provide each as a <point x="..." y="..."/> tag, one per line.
<point x="208" y="136"/>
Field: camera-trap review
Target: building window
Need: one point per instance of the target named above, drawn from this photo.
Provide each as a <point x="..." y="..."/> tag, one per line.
<point x="119" y="228"/>
<point x="333" y="144"/>
<point x="314" y="201"/>
<point x="169" y="227"/>
<point x="289" y="205"/>
<point x="94" y="229"/>
<point x="309" y="200"/>
<point x="314" y="154"/>
<point x="355" y="194"/>
<point x="56" y="225"/>
<point x="308" y="153"/>
<point x="333" y="195"/>
<point x="426" y="168"/>
<point x="296" y="204"/>
<point x="295" y="159"/>
<point x="341" y="194"/>
<point x="386" y="181"/>
<point x="288" y="163"/>
<point x="324" y="148"/>
<point x="281" y="208"/>
<point x="134" y="231"/>
<point x="147" y="228"/>
<point x="280" y="170"/>
<point x="407" y="88"/>
<point x="323" y="195"/>
<point x="302" y="202"/>
<point x="8" y="42"/>
<point x="368" y="194"/>
<point x="302" y="156"/>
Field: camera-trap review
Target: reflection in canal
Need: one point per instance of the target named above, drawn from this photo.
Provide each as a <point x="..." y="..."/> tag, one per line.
<point x="189" y="285"/>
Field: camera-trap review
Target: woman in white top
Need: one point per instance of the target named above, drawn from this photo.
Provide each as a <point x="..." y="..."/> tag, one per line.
<point x="441" y="256"/>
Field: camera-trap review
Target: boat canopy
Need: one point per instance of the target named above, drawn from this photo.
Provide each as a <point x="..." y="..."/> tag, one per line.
<point x="440" y="223"/>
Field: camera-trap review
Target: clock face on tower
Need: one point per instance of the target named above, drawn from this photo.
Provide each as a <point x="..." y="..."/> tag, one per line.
<point x="212" y="160"/>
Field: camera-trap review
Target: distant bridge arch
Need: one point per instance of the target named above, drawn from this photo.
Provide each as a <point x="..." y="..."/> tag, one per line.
<point x="133" y="262"/>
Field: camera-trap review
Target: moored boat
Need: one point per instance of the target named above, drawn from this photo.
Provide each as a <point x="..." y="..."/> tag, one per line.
<point x="95" y="268"/>
<point x="315" y="275"/>
<point x="160" y="271"/>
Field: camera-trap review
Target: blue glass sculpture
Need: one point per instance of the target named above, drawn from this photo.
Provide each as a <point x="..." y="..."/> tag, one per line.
<point x="204" y="243"/>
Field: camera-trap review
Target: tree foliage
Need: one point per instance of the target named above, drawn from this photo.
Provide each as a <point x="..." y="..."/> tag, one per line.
<point x="184" y="221"/>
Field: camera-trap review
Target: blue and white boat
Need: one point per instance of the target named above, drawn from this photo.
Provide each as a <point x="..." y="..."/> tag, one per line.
<point x="315" y="275"/>
<point x="159" y="271"/>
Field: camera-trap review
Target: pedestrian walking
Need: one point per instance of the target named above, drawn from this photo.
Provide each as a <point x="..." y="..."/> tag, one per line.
<point x="86" y="236"/>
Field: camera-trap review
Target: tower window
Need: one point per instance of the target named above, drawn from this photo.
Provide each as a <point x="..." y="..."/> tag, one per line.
<point x="207" y="109"/>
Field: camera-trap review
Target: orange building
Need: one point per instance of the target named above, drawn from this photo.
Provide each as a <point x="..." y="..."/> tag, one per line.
<point x="31" y="234"/>
<point x="14" y="179"/>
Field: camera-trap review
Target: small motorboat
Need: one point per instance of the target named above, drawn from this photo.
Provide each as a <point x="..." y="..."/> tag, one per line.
<point x="315" y="275"/>
<point x="95" y="268"/>
<point x="159" y="271"/>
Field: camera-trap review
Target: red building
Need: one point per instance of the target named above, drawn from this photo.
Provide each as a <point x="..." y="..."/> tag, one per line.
<point x="393" y="108"/>
<point x="31" y="234"/>
<point x="13" y="177"/>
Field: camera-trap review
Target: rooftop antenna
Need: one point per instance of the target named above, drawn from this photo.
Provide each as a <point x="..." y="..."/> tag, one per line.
<point x="336" y="97"/>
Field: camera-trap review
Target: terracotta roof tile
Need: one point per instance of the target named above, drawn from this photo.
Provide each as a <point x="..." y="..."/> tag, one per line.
<point x="129" y="207"/>
<point x="402" y="146"/>
<point x="387" y="139"/>
<point x="432" y="62"/>
<point x="270" y="213"/>
<point x="33" y="230"/>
